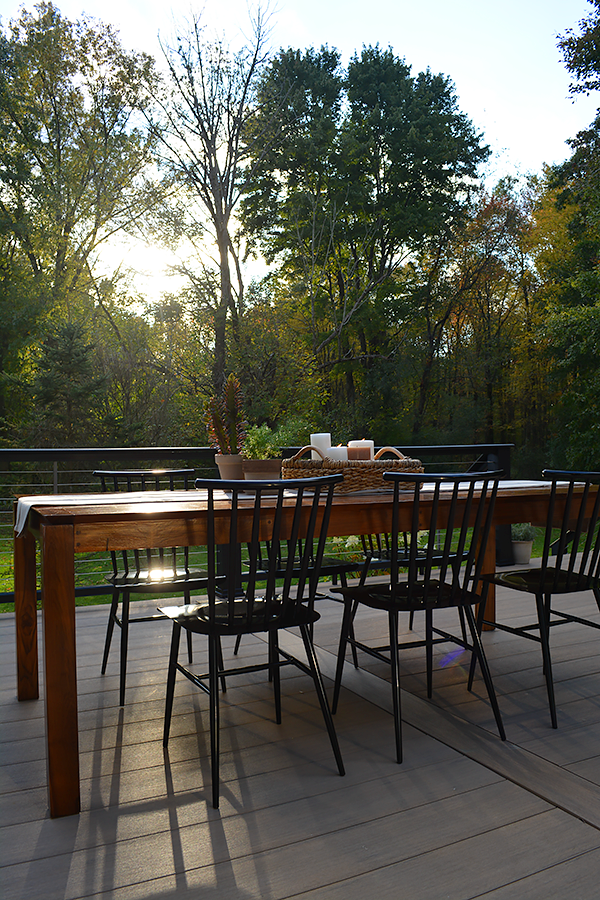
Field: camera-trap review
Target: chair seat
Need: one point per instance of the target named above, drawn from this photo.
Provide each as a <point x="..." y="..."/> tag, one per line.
<point x="331" y="565"/>
<point x="439" y="596"/>
<point x="155" y="579"/>
<point x="197" y="617"/>
<point x="553" y="581"/>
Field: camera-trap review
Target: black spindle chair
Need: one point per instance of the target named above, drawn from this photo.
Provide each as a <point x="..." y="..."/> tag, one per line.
<point x="570" y="563"/>
<point x="241" y="515"/>
<point x="147" y="570"/>
<point x="429" y="575"/>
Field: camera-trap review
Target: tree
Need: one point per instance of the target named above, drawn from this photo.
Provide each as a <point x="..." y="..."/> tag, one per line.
<point x="366" y="165"/>
<point x="66" y="390"/>
<point x="73" y="153"/>
<point x="574" y="338"/>
<point x="573" y="321"/>
<point x="457" y="304"/>
<point x="205" y="112"/>
<point x="581" y="52"/>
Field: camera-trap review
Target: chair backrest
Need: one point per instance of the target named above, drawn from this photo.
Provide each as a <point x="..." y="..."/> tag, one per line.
<point x="128" y="480"/>
<point x="571" y="553"/>
<point x="450" y="520"/>
<point x="145" y="479"/>
<point x="242" y="514"/>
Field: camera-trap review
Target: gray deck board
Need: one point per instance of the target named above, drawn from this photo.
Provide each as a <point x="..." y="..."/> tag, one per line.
<point x="465" y="815"/>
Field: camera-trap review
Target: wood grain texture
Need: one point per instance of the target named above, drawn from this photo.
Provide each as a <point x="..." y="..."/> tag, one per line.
<point x="26" y="617"/>
<point x="60" y="668"/>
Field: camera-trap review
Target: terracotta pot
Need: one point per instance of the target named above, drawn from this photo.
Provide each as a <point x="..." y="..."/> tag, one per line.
<point x="230" y="466"/>
<point x="261" y="469"/>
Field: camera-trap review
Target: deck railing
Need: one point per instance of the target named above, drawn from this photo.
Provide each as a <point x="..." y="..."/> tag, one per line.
<point x="42" y="471"/>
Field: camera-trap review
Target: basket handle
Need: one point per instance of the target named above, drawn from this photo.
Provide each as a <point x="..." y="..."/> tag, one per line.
<point x="309" y="447"/>
<point x="383" y="450"/>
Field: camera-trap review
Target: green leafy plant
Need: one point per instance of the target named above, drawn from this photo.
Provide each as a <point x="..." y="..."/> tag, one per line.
<point x="225" y="419"/>
<point x="262" y="442"/>
<point x="523" y="531"/>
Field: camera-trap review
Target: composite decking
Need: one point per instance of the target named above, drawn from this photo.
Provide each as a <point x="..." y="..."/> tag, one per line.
<point x="464" y="816"/>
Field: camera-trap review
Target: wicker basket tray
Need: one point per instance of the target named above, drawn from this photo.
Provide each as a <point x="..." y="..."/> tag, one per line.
<point x="359" y="474"/>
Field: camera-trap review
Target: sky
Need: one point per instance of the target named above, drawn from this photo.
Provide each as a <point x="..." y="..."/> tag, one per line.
<point x="502" y="57"/>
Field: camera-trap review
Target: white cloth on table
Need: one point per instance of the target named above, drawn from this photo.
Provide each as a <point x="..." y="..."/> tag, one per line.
<point x="24" y="504"/>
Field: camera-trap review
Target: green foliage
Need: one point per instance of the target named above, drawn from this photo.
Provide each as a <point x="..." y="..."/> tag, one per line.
<point x="581" y="52"/>
<point x="268" y="353"/>
<point x="72" y="154"/>
<point x="66" y="392"/>
<point x="359" y="168"/>
<point x="574" y="338"/>
<point x="261" y="443"/>
<point x="573" y="328"/>
<point x="403" y="302"/>
<point x="523" y="531"/>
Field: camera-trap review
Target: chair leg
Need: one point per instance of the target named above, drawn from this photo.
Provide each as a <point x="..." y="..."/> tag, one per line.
<point x="171" y="673"/>
<point x="395" y="672"/>
<point x="221" y="664"/>
<point x="461" y="616"/>
<point x="344" y="583"/>
<point x="238" y="641"/>
<point x="320" y="688"/>
<point x="187" y="598"/>
<point x="112" y="618"/>
<point x="124" y="646"/>
<point x="346" y="623"/>
<point x="275" y="673"/>
<point x="213" y="680"/>
<point x="485" y="670"/>
<point x="479" y="625"/>
<point x="429" y="650"/>
<point x="352" y="636"/>
<point x="546" y="658"/>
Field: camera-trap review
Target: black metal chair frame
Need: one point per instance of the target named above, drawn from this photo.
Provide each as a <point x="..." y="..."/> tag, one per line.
<point x="270" y="600"/>
<point x="435" y="577"/>
<point x="569" y="563"/>
<point x="131" y="569"/>
<point x="330" y="566"/>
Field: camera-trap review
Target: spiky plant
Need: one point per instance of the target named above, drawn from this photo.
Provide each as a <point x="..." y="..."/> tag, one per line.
<point x="225" y="419"/>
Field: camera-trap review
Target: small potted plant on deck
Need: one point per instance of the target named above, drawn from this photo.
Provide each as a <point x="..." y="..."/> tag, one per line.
<point x="522" y="536"/>
<point x="261" y="454"/>
<point x="226" y="424"/>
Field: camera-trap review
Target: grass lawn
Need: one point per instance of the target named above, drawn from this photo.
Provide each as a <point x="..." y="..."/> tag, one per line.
<point x="338" y="546"/>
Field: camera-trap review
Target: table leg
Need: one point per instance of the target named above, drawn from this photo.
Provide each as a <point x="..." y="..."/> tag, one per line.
<point x="58" y="604"/>
<point x="26" y="617"/>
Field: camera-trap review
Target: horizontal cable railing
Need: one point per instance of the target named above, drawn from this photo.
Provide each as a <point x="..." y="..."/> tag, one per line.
<point x="42" y="471"/>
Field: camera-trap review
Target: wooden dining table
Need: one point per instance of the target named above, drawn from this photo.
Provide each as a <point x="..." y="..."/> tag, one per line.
<point x="64" y="527"/>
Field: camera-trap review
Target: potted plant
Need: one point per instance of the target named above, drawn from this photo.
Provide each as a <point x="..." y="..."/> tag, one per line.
<point x="261" y="454"/>
<point x="226" y="424"/>
<point x="522" y="536"/>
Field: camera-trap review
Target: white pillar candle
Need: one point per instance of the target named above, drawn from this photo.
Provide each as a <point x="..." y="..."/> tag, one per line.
<point x="322" y="441"/>
<point x="339" y="454"/>
<point x="366" y="449"/>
